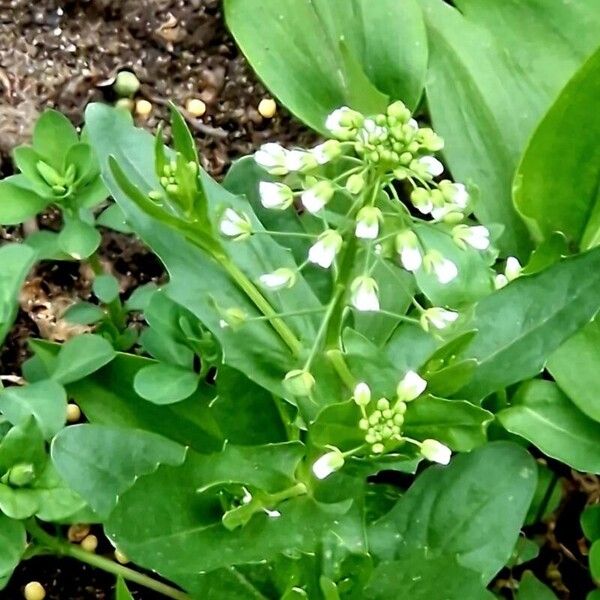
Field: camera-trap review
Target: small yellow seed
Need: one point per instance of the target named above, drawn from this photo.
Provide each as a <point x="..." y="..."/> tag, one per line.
<point x="267" y="108"/>
<point x="73" y="413"/>
<point x="120" y="557"/>
<point x="143" y="108"/>
<point x="89" y="543"/>
<point x="195" y="107"/>
<point x="34" y="590"/>
<point x="125" y="104"/>
<point x="78" y="532"/>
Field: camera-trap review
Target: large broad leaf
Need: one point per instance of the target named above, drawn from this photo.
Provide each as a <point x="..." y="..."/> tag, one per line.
<point x="81" y="356"/>
<point x="557" y="184"/>
<point x="472" y="509"/>
<point x="197" y="281"/>
<point x="419" y="576"/>
<point x="491" y="79"/>
<point x="520" y="326"/>
<point x="542" y="414"/>
<point x="576" y="368"/>
<point x="16" y="260"/>
<point x="102" y="462"/>
<point x="18" y="203"/>
<point x="318" y="55"/>
<point x="13" y="541"/>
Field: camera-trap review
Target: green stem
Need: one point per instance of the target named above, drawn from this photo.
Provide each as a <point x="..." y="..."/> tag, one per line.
<point x="285" y="234"/>
<point x="62" y="548"/>
<point x="292" y="313"/>
<point x="323" y="327"/>
<point x="286" y="334"/>
<point x="336" y="358"/>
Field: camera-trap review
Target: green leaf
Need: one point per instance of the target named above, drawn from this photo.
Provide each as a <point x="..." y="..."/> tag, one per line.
<point x="580" y="378"/>
<point x="520" y="326"/>
<point x="17" y="204"/>
<point x="84" y="313"/>
<point x="23" y="444"/>
<point x="543" y="415"/>
<point x="106" y="288"/>
<point x="165" y="384"/>
<point x="490" y="81"/>
<point x="16" y="260"/>
<point x="299" y="57"/>
<point x="531" y="588"/>
<point x="457" y="423"/>
<point x="141" y="296"/>
<point x="590" y="522"/>
<point x="79" y="239"/>
<point x="418" y="576"/>
<point x="53" y="135"/>
<point x="46" y="245"/>
<point x="101" y="462"/>
<point x="472" y="509"/>
<point x="113" y="218"/>
<point x="26" y="160"/>
<point x="13" y="541"/>
<point x="525" y="550"/>
<point x="46" y="401"/>
<point x="594" y="558"/>
<point x="121" y="591"/>
<point x="182" y="137"/>
<point x="81" y="356"/>
<point x="556" y="186"/>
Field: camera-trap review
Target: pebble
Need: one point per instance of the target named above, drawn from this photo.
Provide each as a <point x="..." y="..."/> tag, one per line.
<point x="143" y="108"/>
<point x="195" y="107"/>
<point x="34" y="590"/>
<point x="89" y="543"/>
<point x="267" y="108"/>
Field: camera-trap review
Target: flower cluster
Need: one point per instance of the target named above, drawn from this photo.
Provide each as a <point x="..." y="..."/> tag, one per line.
<point x="382" y="421"/>
<point x="374" y="156"/>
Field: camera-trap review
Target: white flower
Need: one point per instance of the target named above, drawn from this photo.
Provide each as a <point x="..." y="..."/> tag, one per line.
<point x="327" y="151"/>
<point x="411" y="387"/>
<point x="234" y="225"/>
<point x="371" y="132"/>
<point x="364" y="295"/>
<point x="325" y="249"/>
<point x="272" y="157"/>
<point x="513" y="268"/>
<point x="412" y="123"/>
<point x="355" y="184"/>
<point x="275" y="195"/>
<point x="455" y="193"/>
<point x="278" y="279"/>
<point x="407" y="246"/>
<point x="440" y="318"/>
<point x="436" y="451"/>
<point x="327" y="464"/>
<point x="317" y="196"/>
<point x="445" y="270"/>
<point x="428" y="165"/>
<point x="362" y="394"/>
<point x="300" y="160"/>
<point x="421" y="200"/>
<point x="500" y="281"/>
<point x="477" y="237"/>
<point x="367" y="223"/>
<point x="343" y="122"/>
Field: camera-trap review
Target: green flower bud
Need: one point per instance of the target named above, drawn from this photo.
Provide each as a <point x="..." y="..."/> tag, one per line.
<point x="49" y="175"/>
<point x="299" y="382"/>
<point x="21" y="475"/>
<point x="383" y="404"/>
<point x="355" y="184"/>
<point x="398" y="111"/>
<point x="126" y="84"/>
<point x="378" y="448"/>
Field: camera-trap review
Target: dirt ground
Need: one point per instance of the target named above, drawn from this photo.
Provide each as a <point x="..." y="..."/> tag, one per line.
<point x="65" y="55"/>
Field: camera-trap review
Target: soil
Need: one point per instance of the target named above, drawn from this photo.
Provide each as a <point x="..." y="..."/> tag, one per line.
<point x="65" y="54"/>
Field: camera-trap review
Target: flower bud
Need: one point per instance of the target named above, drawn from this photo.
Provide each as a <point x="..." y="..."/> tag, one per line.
<point x="325" y="249"/>
<point x="299" y="382"/>
<point x="355" y="184"/>
<point x="317" y="196"/>
<point x="364" y="294"/>
<point x="407" y="246"/>
<point x="367" y="222"/>
<point x="279" y="279"/>
<point x="327" y="464"/>
<point x="21" y="475"/>
<point x="454" y="193"/>
<point x="445" y="270"/>
<point x="275" y="195"/>
<point x="430" y="140"/>
<point x="362" y="394"/>
<point x="440" y="318"/>
<point x="344" y="122"/>
<point x="234" y="225"/>
<point x="436" y="451"/>
<point x="513" y="268"/>
<point x="327" y="151"/>
<point x="410" y="387"/>
<point x="421" y="200"/>
<point x="477" y="237"/>
<point x="233" y="317"/>
<point x="300" y="161"/>
<point x="398" y="111"/>
<point x="427" y="167"/>
<point x="272" y="157"/>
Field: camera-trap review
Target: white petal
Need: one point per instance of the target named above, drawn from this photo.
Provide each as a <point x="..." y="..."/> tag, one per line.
<point x="294" y="160"/>
<point x="411" y="386"/>
<point x="411" y="259"/>
<point x="311" y="202"/>
<point x="321" y="254"/>
<point x="478" y="237"/>
<point x="436" y="452"/>
<point x="461" y="196"/>
<point x="433" y="165"/>
<point x="333" y="120"/>
<point x="366" y="231"/>
<point x="365" y="300"/>
<point x="513" y="268"/>
<point x="413" y="123"/>
<point x="270" y="194"/>
<point x="445" y="271"/>
<point x="327" y="464"/>
<point x="362" y="394"/>
<point x="500" y="281"/>
<point x="270" y="155"/>
<point x="274" y="280"/>
<point x="320" y="155"/>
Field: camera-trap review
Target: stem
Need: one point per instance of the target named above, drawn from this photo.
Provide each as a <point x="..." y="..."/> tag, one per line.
<point x="286" y="334"/>
<point x="323" y="327"/>
<point x="62" y="548"/>
<point x="397" y="316"/>
<point x="292" y="313"/>
<point x="336" y="358"/>
<point x="115" y="309"/>
<point x="285" y="234"/>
